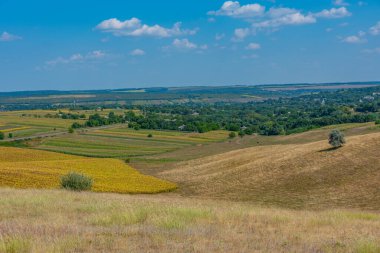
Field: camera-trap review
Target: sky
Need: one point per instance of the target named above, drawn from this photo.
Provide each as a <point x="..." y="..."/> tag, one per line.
<point x="78" y="45"/>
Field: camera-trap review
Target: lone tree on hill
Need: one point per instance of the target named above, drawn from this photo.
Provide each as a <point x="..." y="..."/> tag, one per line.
<point x="336" y="138"/>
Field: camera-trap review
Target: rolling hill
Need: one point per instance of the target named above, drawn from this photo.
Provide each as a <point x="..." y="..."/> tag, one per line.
<point x="310" y="175"/>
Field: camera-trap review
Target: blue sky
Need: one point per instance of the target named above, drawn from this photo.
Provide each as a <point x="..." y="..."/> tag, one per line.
<point x="119" y="44"/>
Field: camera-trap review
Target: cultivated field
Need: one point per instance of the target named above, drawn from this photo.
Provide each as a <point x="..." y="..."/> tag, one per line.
<point x="24" y="168"/>
<point x="60" y="221"/>
<point x="122" y="142"/>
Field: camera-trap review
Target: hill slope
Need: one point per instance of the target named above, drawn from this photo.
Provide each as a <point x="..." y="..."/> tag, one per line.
<point x="298" y="175"/>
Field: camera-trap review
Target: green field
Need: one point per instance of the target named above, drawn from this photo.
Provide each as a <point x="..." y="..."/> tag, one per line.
<point x="122" y="142"/>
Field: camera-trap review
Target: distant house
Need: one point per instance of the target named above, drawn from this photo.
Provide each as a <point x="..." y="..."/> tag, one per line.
<point x="181" y="128"/>
<point x="370" y="98"/>
<point x="243" y="128"/>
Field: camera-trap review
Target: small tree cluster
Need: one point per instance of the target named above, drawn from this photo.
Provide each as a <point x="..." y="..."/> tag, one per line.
<point x="336" y="138"/>
<point x="76" y="182"/>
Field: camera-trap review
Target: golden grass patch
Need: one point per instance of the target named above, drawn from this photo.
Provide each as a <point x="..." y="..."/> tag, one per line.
<point x="24" y="168"/>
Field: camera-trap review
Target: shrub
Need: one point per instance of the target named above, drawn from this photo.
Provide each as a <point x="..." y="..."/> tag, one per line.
<point x="2" y="136"/>
<point x="71" y="130"/>
<point x="76" y="182"/>
<point x="232" y="135"/>
<point x="10" y="135"/>
<point x="241" y="133"/>
<point x="150" y="135"/>
<point x="336" y="138"/>
<point x="377" y="122"/>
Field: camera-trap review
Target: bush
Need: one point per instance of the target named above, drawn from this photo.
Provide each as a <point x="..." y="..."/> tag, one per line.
<point x="377" y="122"/>
<point x="2" y="136"/>
<point x="71" y="130"/>
<point x="336" y="138"/>
<point x="10" y="135"/>
<point x="241" y="133"/>
<point x="76" y="182"/>
<point x="232" y="135"/>
<point x="150" y="135"/>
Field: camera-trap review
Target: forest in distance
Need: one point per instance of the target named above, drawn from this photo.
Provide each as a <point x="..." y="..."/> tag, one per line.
<point x="272" y="116"/>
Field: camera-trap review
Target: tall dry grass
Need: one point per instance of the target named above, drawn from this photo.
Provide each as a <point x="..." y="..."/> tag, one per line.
<point x="60" y="221"/>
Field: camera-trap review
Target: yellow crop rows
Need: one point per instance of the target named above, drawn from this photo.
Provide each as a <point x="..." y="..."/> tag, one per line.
<point x="13" y="129"/>
<point x="24" y="168"/>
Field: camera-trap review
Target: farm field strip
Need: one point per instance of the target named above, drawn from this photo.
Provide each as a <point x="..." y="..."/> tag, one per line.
<point x="124" y="142"/>
<point x="26" y="168"/>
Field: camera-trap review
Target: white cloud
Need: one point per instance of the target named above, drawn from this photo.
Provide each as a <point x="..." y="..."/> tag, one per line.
<point x="219" y="36"/>
<point x="354" y="39"/>
<point x="184" y="44"/>
<point x="372" y="51"/>
<point x="253" y="46"/>
<point x="240" y="34"/>
<point x="288" y="19"/>
<point x="334" y="13"/>
<point x="134" y="27"/>
<point x="340" y="3"/>
<point x="97" y="54"/>
<point x="6" y="37"/>
<point x="375" y="30"/>
<point x="274" y="17"/>
<point x="234" y="9"/>
<point x="77" y="58"/>
<point x="251" y="56"/>
<point x="279" y="12"/>
<point x="115" y="24"/>
<point x="137" y="52"/>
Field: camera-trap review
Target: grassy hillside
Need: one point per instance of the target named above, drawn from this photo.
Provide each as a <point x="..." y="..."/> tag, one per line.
<point x="25" y="168"/>
<point x="292" y="175"/>
<point x="61" y="221"/>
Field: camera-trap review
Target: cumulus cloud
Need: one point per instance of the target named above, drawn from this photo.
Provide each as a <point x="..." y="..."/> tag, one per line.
<point x="296" y="18"/>
<point x="253" y="46"/>
<point x="184" y="44"/>
<point x="372" y="51"/>
<point x="137" y="52"/>
<point x="354" y="39"/>
<point x="134" y="27"/>
<point x="274" y="17"/>
<point x="77" y="58"/>
<point x="6" y="37"/>
<point x="375" y="30"/>
<point x="340" y="3"/>
<point x="234" y="9"/>
<point x="341" y="12"/>
<point x="241" y="33"/>
<point x="219" y="36"/>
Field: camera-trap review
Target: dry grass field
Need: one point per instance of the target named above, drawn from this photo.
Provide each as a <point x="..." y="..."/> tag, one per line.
<point x="61" y="221"/>
<point x="309" y="175"/>
<point x="25" y="168"/>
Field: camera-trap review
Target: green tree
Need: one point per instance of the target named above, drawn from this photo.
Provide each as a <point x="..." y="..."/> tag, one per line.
<point x="232" y="135"/>
<point x="71" y="130"/>
<point x="336" y="138"/>
<point x="76" y="182"/>
<point x="2" y="136"/>
<point x="10" y="135"/>
<point x="241" y="133"/>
